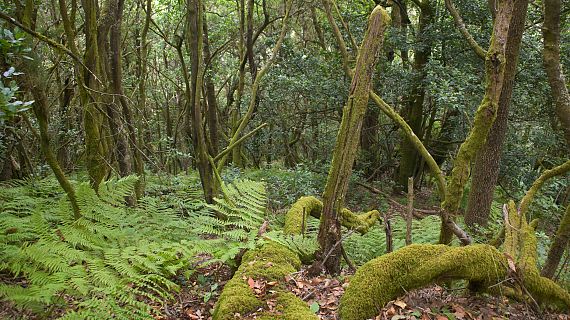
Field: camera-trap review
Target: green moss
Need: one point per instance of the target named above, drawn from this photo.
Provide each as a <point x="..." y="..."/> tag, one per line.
<point x="236" y="297"/>
<point x="294" y="217"/>
<point x="289" y="307"/>
<point x="414" y="266"/>
<point x="360" y="222"/>
<point x="313" y="207"/>
<point x="271" y="262"/>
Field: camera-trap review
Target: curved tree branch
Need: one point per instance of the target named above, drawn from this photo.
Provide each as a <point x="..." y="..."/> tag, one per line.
<point x="481" y="53"/>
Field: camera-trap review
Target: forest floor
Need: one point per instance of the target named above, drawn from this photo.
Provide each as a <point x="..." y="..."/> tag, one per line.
<point x="322" y="293"/>
<point x="199" y="294"/>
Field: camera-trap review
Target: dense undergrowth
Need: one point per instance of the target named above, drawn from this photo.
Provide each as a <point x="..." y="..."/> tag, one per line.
<point x="116" y="260"/>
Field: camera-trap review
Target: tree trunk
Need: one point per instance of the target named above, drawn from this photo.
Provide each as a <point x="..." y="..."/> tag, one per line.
<point x="558" y="246"/>
<point x="369" y="143"/>
<point x="210" y="96"/>
<point x="34" y="81"/>
<point x="413" y="113"/>
<point x="95" y="144"/>
<point x="484" y="117"/>
<point x="346" y="147"/>
<point x="551" y="56"/>
<point x="486" y="168"/>
<point x="195" y="42"/>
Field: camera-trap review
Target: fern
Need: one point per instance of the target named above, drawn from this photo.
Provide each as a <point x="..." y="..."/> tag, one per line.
<point x="304" y="246"/>
<point x="114" y="255"/>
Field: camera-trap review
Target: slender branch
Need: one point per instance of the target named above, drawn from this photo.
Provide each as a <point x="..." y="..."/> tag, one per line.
<point x="256" y="83"/>
<point x="238" y="142"/>
<point x="338" y="37"/>
<point x="415" y="140"/>
<point x="345" y="25"/>
<point x="47" y="40"/>
<point x="481" y="53"/>
<point x="537" y="184"/>
<point x="394" y="202"/>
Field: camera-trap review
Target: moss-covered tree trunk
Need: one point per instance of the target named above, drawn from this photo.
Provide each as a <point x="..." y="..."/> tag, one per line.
<point x="551" y="56"/>
<point x="134" y="142"/>
<point x="195" y="41"/>
<point x="484" y="116"/>
<point x="346" y="147"/>
<point x="34" y="79"/>
<point x="486" y="168"/>
<point x="369" y="144"/>
<point x="413" y="113"/>
<point x="96" y="148"/>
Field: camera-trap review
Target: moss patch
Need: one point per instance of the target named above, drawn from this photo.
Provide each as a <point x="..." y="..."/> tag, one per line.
<point x="389" y="276"/>
<point x="289" y="307"/>
<point x="236" y="298"/>
<point x="271" y="262"/>
<point x="294" y="217"/>
<point x="313" y="207"/>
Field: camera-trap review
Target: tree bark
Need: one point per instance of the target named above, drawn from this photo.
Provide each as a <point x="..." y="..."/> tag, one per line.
<point x="551" y="56"/>
<point x="486" y="168"/>
<point x="558" y="246"/>
<point x="210" y="96"/>
<point x="195" y="42"/>
<point x="346" y="147"/>
<point x="484" y="117"/>
<point x="96" y="148"/>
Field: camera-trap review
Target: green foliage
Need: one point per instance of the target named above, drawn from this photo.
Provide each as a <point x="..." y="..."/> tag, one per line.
<point x="362" y="249"/>
<point x="285" y="186"/>
<point x="304" y="245"/>
<point x="101" y="265"/>
<point x="235" y="220"/>
<point x="11" y="45"/>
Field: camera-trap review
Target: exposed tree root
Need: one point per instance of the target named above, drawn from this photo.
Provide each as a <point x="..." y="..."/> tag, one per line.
<point x="513" y="272"/>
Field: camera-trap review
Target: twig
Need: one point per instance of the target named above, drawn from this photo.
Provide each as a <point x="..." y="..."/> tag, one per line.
<point x="409" y="216"/>
<point x="388" y="231"/>
<point x="336" y="245"/>
<point x="394" y="202"/>
<point x="347" y="259"/>
<point x="481" y="53"/>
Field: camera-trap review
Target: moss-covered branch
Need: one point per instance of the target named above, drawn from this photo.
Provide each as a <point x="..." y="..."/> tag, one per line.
<point x="311" y="206"/>
<point x="484" y="266"/>
<point x="537" y="184"/>
<point x="391" y="275"/>
<point x="463" y="29"/>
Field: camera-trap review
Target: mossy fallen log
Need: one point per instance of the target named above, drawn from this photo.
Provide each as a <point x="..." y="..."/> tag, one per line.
<point x="295" y="221"/>
<point x="270" y="262"/>
<point x="484" y="266"/>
